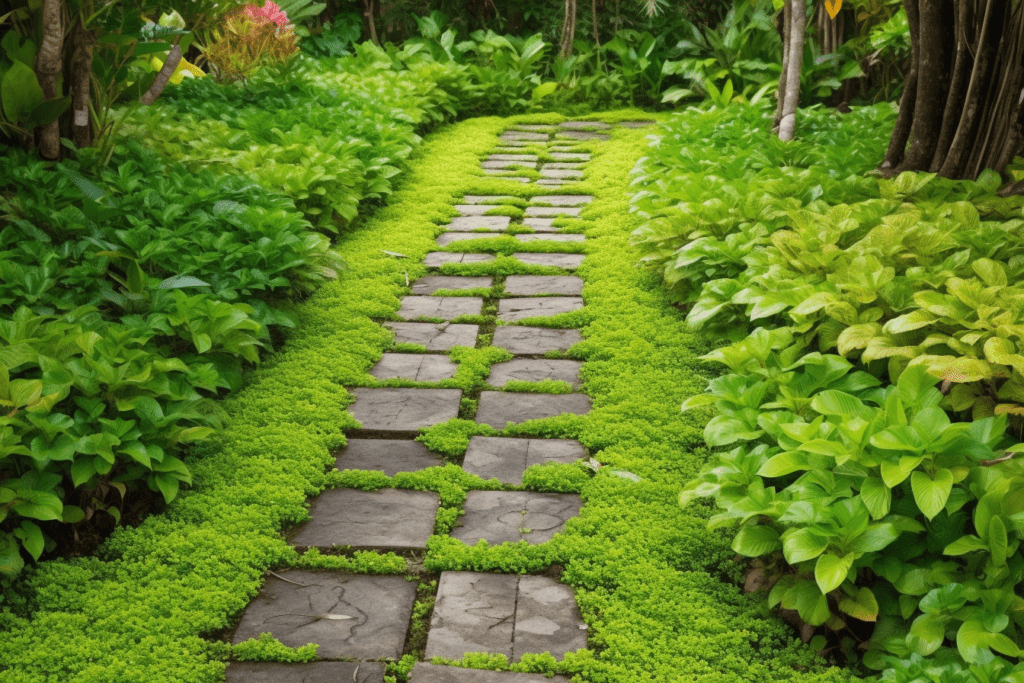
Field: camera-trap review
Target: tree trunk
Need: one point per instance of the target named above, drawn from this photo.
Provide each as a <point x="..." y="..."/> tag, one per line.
<point x="81" y="85"/>
<point x="830" y="31"/>
<point x="371" y="24"/>
<point x="568" y="30"/>
<point x="897" y="150"/>
<point x="781" y="93"/>
<point x="963" y="66"/>
<point x="48" y="67"/>
<point x="797" y="24"/>
<point x="160" y="82"/>
<point x="593" y="20"/>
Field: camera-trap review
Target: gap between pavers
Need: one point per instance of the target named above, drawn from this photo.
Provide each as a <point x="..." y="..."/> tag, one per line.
<point x="388" y="518"/>
<point x="434" y="336"/>
<point x="417" y="367"/>
<point x="529" y="341"/>
<point x="505" y="459"/>
<point x="389" y="456"/>
<point x="403" y="410"/>
<point x="314" y="672"/>
<point x="497" y="408"/>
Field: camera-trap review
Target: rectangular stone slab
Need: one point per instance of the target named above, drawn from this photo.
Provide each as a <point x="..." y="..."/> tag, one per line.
<point x="551" y="238"/>
<point x="560" y="173"/>
<point x="418" y="367"/>
<point x="512" y="157"/>
<point x="552" y="211"/>
<point x="504" y="459"/>
<point x="444" y="307"/>
<point x="388" y="518"/>
<point x="436" y="259"/>
<point x="522" y="136"/>
<point x="485" y="199"/>
<point x="529" y="285"/>
<point x="584" y="125"/>
<point x="315" y="672"/>
<point x="567" y="261"/>
<point x="569" y="156"/>
<point x="432" y="283"/>
<point x="497" y="408"/>
<point x="534" y="340"/>
<point x="380" y="607"/>
<point x="581" y="135"/>
<point x="511" y="310"/>
<point x="435" y="673"/>
<point x="389" y="456"/>
<point x="403" y="410"/>
<point x="547" y="619"/>
<point x="562" y="199"/>
<point x="571" y="165"/>
<point x="535" y="370"/>
<point x="447" y="238"/>
<point x="469" y="223"/>
<point x="540" y="224"/>
<point x="553" y="182"/>
<point x="474" y="612"/>
<point x="507" y="164"/>
<point x="475" y="209"/>
<point x="435" y="337"/>
<point x="509" y="516"/>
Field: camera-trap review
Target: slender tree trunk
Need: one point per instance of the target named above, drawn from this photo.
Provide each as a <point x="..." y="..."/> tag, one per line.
<point x="48" y="67"/>
<point x="797" y="25"/>
<point x="593" y="20"/>
<point x="160" y="82"/>
<point x="783" y="76"/>
<point x="897" y="150"/>
<point x="568" y="30"/>
<point x="81" y="85"/>
<point x="963" y="66"/>
<point x="371" y="24"/>
<point x="830" y="31"/>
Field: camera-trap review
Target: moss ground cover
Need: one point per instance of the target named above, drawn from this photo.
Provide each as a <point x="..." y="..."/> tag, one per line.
<point x="656" y="587"/>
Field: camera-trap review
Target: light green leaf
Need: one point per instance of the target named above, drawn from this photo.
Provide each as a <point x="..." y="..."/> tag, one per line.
<point x="876" y="496"/>
<point x="754" y="541"/>
<point x="931" y="494"/>
<point x="830" y="571"/>
<point x="802" y="545"/>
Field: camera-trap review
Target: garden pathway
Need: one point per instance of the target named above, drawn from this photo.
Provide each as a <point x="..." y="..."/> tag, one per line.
<point x="365" y="618"/>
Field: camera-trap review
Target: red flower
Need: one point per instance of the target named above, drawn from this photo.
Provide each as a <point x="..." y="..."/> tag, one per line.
<point x="270" y="13"/>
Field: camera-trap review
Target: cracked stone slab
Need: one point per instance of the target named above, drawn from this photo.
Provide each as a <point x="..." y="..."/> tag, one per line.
<point x="569" y="156"/>
<point x="581" y="135"/>
<point x="492" y="165"/>
<point x="551" y="238"/>
<point x="534" y="340"/>
<point x="315" y="672"/>
<point x="475" y="209"/>
<point x="474" y="612"/>
<point x="562" y="200"/>
<point x="552" y="211"/>
<point x="485" y="198"/>
<point x="535" y="370"/>
<point x="404" y="410"/>
<point x="436" y="259"/>
<point x="529" y="285"/>
<point x="432" y="283"/>
<point x="389" y="456"/>
<point x="434" y="336"/>
<point x="446" y="238"/>
<point x="435" y="673"/>
<point x="498" y="408"/>
<point x="418" y="367"/>
<point x="468" y="223"/>
<point x="388" y="518"/>
<point x="540" y="224"/>
<point x="547" y="618"/>
<point x="444" y="307"/>
<point x="512" y="157"/>
<point x="584" y="125"/>
<point x="559" y="173"/>
<point x="521" y="136"/>
<point x="637" y="124"/>
<point x="504" y="459"/>
<point x="510" y="516"/>
<point x="298" y="613"/>
<point x="567" y="261"/>
<point x="511" y="310"/>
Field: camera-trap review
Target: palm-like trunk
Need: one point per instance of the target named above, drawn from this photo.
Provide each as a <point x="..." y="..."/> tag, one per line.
<point x="568" y="30"/>
<point x="796" y="23"/>
<point x="48" y="68"/>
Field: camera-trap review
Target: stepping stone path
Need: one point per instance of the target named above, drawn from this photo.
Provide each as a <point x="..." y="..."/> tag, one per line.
<point x="362" y="618"/>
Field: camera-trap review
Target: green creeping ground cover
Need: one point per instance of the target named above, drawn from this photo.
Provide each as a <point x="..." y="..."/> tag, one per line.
<point x="866" y="430"/>
<point x="658" y="589"/>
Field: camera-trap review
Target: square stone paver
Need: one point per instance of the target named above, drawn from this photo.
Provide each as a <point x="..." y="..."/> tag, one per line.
<point x="444" y="307"/>
<point x="534" y="340"/>
<point x="522" y="136"/>
<point x="540" y="224"/>
<point x="511" y="310"/>
<point x="552" y="211"/>
<point x="435" y="673"/>
<point x="403" y="410"/>
<point x="506" y="164"/>
<point x="581" y="135"/>
<point x="510" y="516"/>
<point x="389" y="456"/>
<point x="493" y="457"/>
<point x="584" y="125"/>
<point x="418" y="367"/>
<point x="569" y="156"/>
<point x="469" y="223"/>
<point x="560" y="173"/>
<point x="535" y="370"/>
<point x="551" y="238"/>
<point x="497" y="408"/>
<point x="513" y="157"/>
<point x="432" y="283"/>
<point x="484" y="199"/>
<point x="388" y="518"/>
<point x="477" y="612"/>
<point x="475" y="209"/>
<point x="528" y="285"/>
<point x="435" y="337"/>
<point x="567" y="261"/>
<point x="315" y="672"/>
<point x="562" y="199"/>
<point x="447" y="238"/>
<point x="436" y="259"/>
<point x="296" y="612"/>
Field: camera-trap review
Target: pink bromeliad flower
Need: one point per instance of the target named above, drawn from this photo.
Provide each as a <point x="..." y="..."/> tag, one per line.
<point x="270" y="13"/>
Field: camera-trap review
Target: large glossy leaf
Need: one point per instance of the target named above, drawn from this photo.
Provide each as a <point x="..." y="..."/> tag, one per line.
<point x="931" y="492"/>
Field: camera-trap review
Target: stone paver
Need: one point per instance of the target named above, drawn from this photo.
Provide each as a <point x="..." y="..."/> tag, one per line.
<point x="403" y="410"/>
<point x="497" y="408"/>
<point x="315" y="672"/>
<point x="388" y="518"/>
<point x="512" y="157"/>
<point x="515" y="143"/>
<point x="299" y="612"/>
<point x="444" y="307"/>
<point x="584" y="125"/>
<point x="505" y="175"/>
<point x="524" y="341"/>
<point x="485" y="199"/>
<point x="568" y="261"/>
<point x="434" y="673"/>
<point x="444" y="239"/>
<point x="552" y="211"/>
<point x="563" y="199"/>
<point x="534" y="127"/>
<point x="432" y="283"/>
<point x="551" y="182"/>
<point x="547" y="618"/>
<point x="569" y="156"/>
<point x="540" y="224"/>
<point x="581" y="135"/>
<point x="528" y="285"/>
<point x="475" y="209"/>
<point x="492" y="457"/>
<point x="389" y="456"/>
<point x="510" y="516"/>
<point x="564" y="164"/>
<point x="535" y="370"/>
<point x="511" y="310"/>
<point x="565" y="146"/>
<point x="550" y="238"/>
<point x="436" y="259"/>
<point x="418" y="367"/>
<point x="468" y="223"/>
<point x="522" y="136"/>
<point x="492" y="165"/>
<point x="433" y="336"/>
<point x="559" y="173"/>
